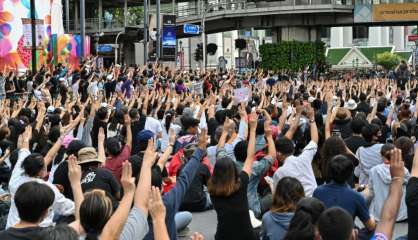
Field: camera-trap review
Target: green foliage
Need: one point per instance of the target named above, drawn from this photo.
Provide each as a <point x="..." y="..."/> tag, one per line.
<point x="134" y="17"/>
<point x="291" y="55"/>
<point x="387" y="60"/>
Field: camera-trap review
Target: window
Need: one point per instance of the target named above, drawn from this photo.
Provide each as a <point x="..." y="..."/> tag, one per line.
<point x="360" y="32"/>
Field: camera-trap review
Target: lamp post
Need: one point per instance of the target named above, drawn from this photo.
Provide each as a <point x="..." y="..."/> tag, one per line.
<point x="33" y="31"/>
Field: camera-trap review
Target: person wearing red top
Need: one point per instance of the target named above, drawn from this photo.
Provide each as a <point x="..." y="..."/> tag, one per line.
<point x="117" y="153"/>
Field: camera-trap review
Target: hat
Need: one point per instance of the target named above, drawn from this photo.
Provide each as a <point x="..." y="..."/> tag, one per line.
<point x="145" y="135"/>
<point x="351" y="104"/>
<point x="87" y="155"/>
<point x="50" y="109"/>
<point x="311" y="99"/>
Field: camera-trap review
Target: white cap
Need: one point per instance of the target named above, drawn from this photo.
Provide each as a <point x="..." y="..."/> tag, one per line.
<point x="50" y="109"/>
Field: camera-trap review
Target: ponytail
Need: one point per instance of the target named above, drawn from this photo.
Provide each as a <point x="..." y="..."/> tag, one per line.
<point x="167" y="123"/>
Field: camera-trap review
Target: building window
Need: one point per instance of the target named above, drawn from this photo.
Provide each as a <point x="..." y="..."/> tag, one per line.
<point x="360" y="32"/>
<point x="325" y="32"/>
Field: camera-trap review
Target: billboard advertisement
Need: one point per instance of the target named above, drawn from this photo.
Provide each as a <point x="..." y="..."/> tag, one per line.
<point x="169" y="42"/>
<point x="395" y="12"/>
<point x="362" y="13"/>
<point x="16" y="37"/>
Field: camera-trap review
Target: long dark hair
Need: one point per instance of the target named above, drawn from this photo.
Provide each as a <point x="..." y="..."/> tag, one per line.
<point x="288" y="192"/>
<point x="332" y="147"/>
<point x="302" y="225"/>
<point x="95" y="211"/>
<point x="225" y="179"/>
<point x="168" y="119"/>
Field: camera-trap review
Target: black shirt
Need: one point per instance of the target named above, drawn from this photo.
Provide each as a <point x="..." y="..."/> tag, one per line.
<point x="29" y="233"/>
<point x="354" y="142"/>
<point x="61" y="178"/>
<point x="136" y="128"/>
<point x="411" y="199"/>
<point x="103" y="179"/>
<point x="195" y="198"/>
<point x="233" y="214"/>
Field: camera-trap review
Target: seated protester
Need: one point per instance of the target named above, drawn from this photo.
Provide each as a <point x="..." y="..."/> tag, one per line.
<point x="60" y="232"/>
<point x="32" y="200"/>
<point x="96" y="219"/>
<point x="406" y="145"/>
<point x="342" y="123"/>
<point x="32" y="167"/>
<point x="118" y="153"/>
<point x="299" y="167"/>
<point x="332" y="147"/>
<point x="303" y="224"/>
<point x="188" y="133"/>
<point x="411" y="199"/>
<point x="287" y="194"/>
<point x="379" y="184"/>
<point x="259" y="167"/>
<point x="338" y="193"/>
<point x="228" y="192"/>
<point x="356" y="140"/>
<point x="96" y="177"/>
<point x="173" y="198"/>
<point x="61" y="173"/>
<point x="196" y="198"/>
<point x="336" y="223"/>
<point x="368" y="155"/>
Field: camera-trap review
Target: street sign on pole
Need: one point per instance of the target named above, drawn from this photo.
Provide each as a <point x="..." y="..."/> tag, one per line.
<point x="191" y="29"/>
<point x="412" y="38"/>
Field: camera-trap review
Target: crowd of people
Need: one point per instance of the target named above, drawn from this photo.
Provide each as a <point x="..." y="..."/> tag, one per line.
<point x="131" y="152"/>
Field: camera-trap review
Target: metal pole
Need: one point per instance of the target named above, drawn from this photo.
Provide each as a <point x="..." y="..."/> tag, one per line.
<point x="145" y="31"/>
<point x="82" y="26"/>
<point x="117" y="47"/>
<point x="158" y="43"/>
<point x="204" y="36"/>
<point x="33" y="32"/>
<point x="67" y="15"/>
<point x="174" y="6"/>
<point x="125" y="12"/>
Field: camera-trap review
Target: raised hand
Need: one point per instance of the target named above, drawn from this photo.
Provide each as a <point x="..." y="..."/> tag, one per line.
<point x="150" y="155"/>
<point x="74" y="170"/>
<point x="155" y="205"/>
<point x="252" y="120"/>
<point x="396" y="164"/>
<point x="203" y="139"/>
<point x="127" y="181"/>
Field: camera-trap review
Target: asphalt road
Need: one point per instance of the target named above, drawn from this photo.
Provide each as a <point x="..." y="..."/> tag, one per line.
<point x="205" y="223"/>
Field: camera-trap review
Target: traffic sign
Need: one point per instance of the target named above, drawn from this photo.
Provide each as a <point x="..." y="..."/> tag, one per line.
<point x="191" y="29"/>
<point x="412" y="38"/>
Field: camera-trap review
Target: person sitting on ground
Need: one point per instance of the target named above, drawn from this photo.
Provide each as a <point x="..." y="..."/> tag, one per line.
<point x="299" y="167"/>
<point x="287" y="194"/>
<point x="379" y="185"/>
<point x="338" y="193"/>
<point x="228" y="191"/>
<point x="32" y="211"/>
<point x="303" y="223"/>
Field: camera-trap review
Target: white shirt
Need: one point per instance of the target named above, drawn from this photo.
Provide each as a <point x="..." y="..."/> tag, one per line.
<point x="61" y="205"/>
<point x="153" y="125"/>
<point x="166" y="135"/>
<point x="300" y="167"/>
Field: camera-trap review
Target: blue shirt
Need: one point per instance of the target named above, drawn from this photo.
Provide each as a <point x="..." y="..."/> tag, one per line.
<point x="341" y="195"/>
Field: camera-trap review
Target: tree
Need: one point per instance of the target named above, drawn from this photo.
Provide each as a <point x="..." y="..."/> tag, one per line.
<point x="387" y="60"/>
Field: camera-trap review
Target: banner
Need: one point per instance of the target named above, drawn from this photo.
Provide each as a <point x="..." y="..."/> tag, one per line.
<point x="362" y="13"/>
<point x="169" y="38"/>
<point x="395" y="12"/>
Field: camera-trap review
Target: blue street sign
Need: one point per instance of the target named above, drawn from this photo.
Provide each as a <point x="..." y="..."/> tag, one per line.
<point x="104" y="48"/>
<point x="191" y="29"/>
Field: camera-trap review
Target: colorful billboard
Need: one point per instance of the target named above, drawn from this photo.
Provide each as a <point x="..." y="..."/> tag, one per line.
<point x="16" y="40"/>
